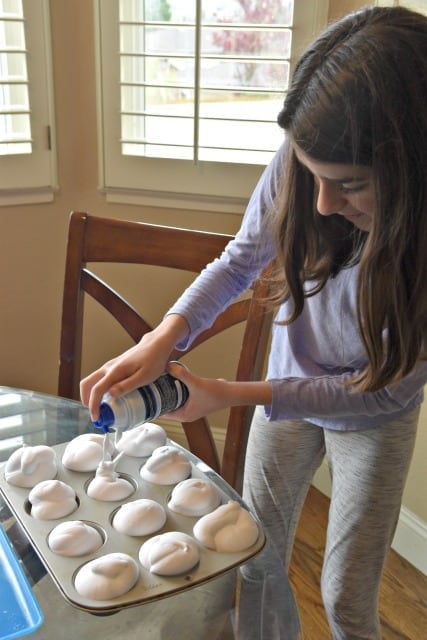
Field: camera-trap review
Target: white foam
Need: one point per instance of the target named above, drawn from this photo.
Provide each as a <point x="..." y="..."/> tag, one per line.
<point x="228" y="529"/>
<point x="74" y="538"/>
<point x="108" y="485"/>
<point x="30" y="465"/>
<point x="142" y="440"/>
<point x="194" y="497"/>
<point x="86" y="452"/>
<point x="52" y="499"/>
<point x="139" y="517"/>
<point x="169" y="554"/>
<point x="166" y="465"/>
<point x="107" y="577"/>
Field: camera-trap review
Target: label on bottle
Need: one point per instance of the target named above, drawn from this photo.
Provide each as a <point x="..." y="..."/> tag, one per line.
<point x="163" y="395"/>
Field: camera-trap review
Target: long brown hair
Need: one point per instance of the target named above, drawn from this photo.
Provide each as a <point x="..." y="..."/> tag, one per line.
<point x="359" y="96"/>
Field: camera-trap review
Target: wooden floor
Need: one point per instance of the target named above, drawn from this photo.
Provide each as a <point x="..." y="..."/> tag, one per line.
<point x="403" y="598"/>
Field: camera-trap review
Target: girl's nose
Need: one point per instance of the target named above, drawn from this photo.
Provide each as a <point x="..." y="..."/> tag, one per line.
<point x="329" y="198"/>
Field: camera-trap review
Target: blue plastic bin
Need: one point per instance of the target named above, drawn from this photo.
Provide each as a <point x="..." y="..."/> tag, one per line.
<point x="20" y="613"/>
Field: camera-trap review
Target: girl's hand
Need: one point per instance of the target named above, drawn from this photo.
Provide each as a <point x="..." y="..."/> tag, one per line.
<point x="136" y="367"/>
<point x="119" y="376"/>
<point x="206" y="395"/>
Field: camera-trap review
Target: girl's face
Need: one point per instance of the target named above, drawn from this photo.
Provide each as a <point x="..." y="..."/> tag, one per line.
<point x="345" y="189"/>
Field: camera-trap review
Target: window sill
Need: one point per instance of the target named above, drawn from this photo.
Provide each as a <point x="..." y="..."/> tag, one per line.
<point x="11" y="197"/>
<point x="168" y="200"/>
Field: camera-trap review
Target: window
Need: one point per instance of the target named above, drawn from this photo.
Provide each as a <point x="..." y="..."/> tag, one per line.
<point x="27" y="171"/>
<point x="189" y="92"/>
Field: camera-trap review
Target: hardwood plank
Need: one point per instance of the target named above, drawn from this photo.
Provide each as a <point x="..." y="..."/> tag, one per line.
<point x="403" y="594"/>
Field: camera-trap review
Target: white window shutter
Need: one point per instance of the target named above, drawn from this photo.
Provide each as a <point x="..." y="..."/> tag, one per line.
<point x="27" y="154"/>
<point x="189" y="94"/>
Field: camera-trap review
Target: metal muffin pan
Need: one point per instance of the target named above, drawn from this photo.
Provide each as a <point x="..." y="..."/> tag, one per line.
<point x="149" y="587"/>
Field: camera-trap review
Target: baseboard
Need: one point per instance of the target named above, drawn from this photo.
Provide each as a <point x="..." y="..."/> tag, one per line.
<point x="410" y="540"/>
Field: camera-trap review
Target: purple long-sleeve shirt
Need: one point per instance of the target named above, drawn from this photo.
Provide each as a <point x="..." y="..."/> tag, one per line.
<point x="310" y="359"/>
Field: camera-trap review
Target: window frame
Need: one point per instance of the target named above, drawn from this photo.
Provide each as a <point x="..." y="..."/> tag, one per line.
<point x="194" y="186"/>
<point x="32" y="178"/>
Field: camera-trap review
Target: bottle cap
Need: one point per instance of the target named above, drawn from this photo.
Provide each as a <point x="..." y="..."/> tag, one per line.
<point x="106" y="418"/>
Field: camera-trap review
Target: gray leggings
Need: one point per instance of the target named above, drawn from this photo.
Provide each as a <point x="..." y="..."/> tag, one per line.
<point x="368" y="470"/>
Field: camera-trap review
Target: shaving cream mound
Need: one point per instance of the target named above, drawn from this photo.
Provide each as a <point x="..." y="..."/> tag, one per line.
<point x="86" y="452"/>
<point x="29" y="465"/>
<point x="228" y="529"/>
<point x="140" y="517"/>
<point x="194" y="497"/>
<point x="107" y="485"/>
<point x="142" y="440"/>
<point x="169" y="554"/>
<point x="74" y="538"/>
<point x="167" y="465"/>
<point x="52" y="499"/>
<point x="107" y="577"/>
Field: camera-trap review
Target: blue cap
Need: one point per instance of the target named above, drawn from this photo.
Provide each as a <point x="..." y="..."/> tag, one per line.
<point x="106" y="418"/>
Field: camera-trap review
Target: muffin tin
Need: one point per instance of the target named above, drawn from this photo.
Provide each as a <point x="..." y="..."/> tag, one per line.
<point x="149" y="587"/>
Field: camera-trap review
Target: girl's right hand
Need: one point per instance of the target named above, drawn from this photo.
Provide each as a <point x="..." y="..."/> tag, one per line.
<point x="136" y="367"/>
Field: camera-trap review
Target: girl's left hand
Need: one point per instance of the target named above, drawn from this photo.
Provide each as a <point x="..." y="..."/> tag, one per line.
<point x="206" y="395"/>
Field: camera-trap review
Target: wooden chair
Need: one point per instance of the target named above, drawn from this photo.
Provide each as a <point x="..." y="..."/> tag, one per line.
<point x="100" y="240"/>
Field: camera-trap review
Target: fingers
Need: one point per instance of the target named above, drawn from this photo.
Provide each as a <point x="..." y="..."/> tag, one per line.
<point x="119" y="376"/>
<point x="179" y="371"/>
<point x="86" y="385"/>
<point x="115" y="376"/>
<point x="136" y="367"/>
<point x="92" y="389"/>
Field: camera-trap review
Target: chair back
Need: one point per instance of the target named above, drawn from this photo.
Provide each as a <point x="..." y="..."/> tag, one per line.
<point x="94" y="239"/>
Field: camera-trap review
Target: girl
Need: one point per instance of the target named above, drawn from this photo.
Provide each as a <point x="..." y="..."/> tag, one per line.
<point x="342" y="213"/>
